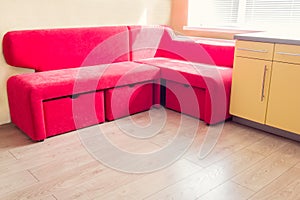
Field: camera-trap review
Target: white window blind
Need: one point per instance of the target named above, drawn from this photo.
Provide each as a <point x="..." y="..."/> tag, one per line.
<point x="244" y="13"/>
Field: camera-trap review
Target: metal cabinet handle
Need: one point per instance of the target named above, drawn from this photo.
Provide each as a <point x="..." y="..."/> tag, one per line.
<point x="263" y="84"/>
<point x="253" y="50"/>
<point x="288" y="54"/>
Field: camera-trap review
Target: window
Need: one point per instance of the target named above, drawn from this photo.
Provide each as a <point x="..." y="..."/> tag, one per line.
<point x="258" y="14"/>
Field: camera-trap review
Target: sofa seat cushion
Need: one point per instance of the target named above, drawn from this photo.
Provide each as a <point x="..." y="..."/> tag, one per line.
<point x="58" y="83"/>
<point x="213" y="80"/>
<point x="195" y="74"/>
<point x="34" y="97"/>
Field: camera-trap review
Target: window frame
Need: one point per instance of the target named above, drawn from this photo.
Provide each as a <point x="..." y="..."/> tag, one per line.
<point x="239" y="27"/>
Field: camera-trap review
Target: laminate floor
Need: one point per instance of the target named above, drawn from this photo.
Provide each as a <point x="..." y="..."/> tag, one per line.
<point x="182" y="158"/>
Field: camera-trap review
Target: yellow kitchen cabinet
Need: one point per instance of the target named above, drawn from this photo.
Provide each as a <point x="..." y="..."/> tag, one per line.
<point x="265" y="89"/>
<point x="250" y="84"/>
<point x="284" y="98"/>
<point x="251" y="80"/>
<point x="287" y="53"/>
<point x="259" y="50"/>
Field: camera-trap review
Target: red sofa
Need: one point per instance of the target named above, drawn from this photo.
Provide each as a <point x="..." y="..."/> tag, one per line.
<point x="85" y="76"/>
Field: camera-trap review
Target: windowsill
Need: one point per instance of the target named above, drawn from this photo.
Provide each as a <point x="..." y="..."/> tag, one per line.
<point x="205" y="40"/>
<point x="229" y="30"/>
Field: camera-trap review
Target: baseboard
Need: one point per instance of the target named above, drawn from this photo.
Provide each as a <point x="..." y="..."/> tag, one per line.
<point x="267" y="128"/>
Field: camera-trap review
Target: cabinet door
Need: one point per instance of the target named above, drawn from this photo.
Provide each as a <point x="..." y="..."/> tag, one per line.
<point x="250" y="84"/>
<point x="284" y="99"/>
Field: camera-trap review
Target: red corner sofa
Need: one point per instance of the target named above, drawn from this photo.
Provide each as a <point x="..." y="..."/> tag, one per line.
<point x="86" y="76"/>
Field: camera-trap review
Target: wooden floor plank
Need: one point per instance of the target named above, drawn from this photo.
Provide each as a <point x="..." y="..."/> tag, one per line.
<point x="268" y="145"/>
<point x="47" y="197"/>
<point x="227" y="145"/>
<point x="9" y="131"/>
<point x="239" y="161"/>
<point x="12" y="182"/>
<point x="286" y="187"/>
<point x="6" y="157"/>
<point x="166" y="133"/>
<point x="228" y="190"/>
<point x="40" y="148"/>
<point x="61" y="166"/>
<point x="105" y="182"/>
<point x="194" y="186"/>
<point x="211" y="177"/>
<point x="36" y="160"/>
<point x="153" y="182"/>
<point x="264" y="172"/>
<point x="70" y="179"/>
<point x="122" y="141"/>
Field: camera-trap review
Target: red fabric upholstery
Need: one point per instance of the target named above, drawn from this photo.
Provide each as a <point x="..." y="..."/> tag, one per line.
<point x="27" y="92"/>
<point x="163" y="42"/>
<point x="52" y="49"/>
<point x="60" y="117"/>
<point x="43" y="104"/>
<point x="144" y="41"/>
<point x="123" y="101"/>
<point x="202" y="50"/>
<point x="178" y="98"/>
<point x="215" y="80"/>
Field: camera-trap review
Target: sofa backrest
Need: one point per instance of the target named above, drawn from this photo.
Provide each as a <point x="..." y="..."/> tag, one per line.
<point x="161" y="41"/>
<point x="145" y="40"/>
<point x="202" y="50"/>
<point x="52" y="49"/>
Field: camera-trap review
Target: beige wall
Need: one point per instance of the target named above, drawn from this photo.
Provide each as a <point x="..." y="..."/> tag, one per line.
<point x="32" y="14"/>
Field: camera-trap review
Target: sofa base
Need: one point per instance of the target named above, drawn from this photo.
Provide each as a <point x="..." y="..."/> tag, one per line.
<point x="129" y="99"/>
<point x="185" y="99"/>
<point x="73" y="112"/>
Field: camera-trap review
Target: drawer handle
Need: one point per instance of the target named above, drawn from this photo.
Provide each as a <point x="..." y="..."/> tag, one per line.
<point x="75" y="96"/>
<point x="288" y="54"/>
<point x="253" y="50"/>
<point x="263" y="84"/>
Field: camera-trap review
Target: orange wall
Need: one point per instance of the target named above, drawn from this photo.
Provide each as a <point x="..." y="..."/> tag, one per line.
<point x="179" y="14"/>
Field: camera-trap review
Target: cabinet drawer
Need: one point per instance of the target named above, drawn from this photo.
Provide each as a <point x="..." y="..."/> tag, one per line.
<point x="287" y="53"/>
<point x="180" y="98"/>
<point x="258" y="50"/>
<point x="128" y="99"/>
<point x="70" y="113"/>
